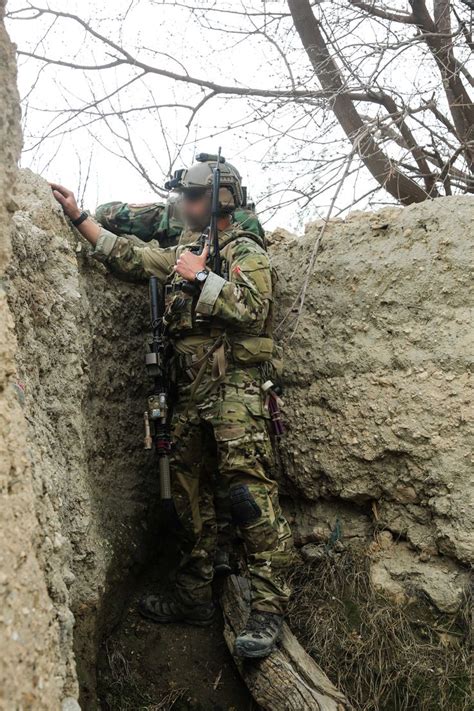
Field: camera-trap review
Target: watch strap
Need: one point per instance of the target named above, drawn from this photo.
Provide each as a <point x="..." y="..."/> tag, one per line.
<point x="79" y="220"/>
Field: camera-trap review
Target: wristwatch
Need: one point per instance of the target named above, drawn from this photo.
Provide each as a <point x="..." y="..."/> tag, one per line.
<point x="200" y="277"/>
<point x="79" y="220"/>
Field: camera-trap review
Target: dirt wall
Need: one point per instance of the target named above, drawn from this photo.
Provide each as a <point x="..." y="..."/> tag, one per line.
<point x="31" y="670"/>
<point x="80" y="364"/>
<point x="379" y="391"/>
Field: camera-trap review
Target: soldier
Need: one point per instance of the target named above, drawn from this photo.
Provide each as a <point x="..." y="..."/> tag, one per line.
<point x="159" y="221"/>
<point x="162" y="221"/>
<point x="220" y="332"/>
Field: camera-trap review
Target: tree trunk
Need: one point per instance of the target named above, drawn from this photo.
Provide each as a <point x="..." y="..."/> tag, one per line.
<point x="289" y="679"/>
<point x="437" y="38"/>
<point x="402" y="187"/>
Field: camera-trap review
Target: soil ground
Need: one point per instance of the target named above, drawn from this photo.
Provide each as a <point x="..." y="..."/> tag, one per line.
<point x="146" y="667"/>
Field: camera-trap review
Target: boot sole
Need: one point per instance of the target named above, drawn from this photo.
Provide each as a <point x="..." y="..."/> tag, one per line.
<point x="167" y="620"/>
<point x="255" y="654"/>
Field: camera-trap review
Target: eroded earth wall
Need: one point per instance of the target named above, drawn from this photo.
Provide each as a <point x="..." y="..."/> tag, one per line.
<point x="31" y="671"/>
<point x="80" y="361"/>
<point x="379" y="391"/>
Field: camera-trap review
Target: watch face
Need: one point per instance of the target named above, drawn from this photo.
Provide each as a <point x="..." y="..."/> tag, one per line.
<point x="201" y="276"/>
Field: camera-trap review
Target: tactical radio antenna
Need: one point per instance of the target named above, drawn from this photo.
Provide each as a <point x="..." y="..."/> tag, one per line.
<point x="215" y="205"/>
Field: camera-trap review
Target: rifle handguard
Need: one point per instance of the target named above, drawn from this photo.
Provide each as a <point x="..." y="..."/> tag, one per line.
<point x="156" y="417"/>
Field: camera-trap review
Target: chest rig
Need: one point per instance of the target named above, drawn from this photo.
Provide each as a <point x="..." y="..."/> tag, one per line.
<point x="181" y="320"/>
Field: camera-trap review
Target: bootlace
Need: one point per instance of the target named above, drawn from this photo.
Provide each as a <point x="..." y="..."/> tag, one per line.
<point x="260" y="622"/>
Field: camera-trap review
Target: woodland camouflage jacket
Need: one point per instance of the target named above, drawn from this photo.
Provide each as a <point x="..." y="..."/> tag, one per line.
<point x="160" y="221"/>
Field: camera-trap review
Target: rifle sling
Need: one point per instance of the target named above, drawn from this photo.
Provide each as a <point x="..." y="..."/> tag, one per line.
<point x="218" y="373"/>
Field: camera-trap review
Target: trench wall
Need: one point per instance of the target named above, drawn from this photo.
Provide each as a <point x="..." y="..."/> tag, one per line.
<point x="80" y="364"/>
<point x="31" y="672"/>
<point x="379" y="392"/>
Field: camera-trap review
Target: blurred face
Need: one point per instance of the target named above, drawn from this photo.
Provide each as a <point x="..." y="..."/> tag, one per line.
<point x="196" y="207"/>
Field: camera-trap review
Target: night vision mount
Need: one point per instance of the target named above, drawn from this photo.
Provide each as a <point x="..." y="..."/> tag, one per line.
<point x="209" y="158"/>
<point x="175" y="181"/>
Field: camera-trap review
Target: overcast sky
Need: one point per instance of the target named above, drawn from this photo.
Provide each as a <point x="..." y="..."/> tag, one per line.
<point x="272" y="152"/>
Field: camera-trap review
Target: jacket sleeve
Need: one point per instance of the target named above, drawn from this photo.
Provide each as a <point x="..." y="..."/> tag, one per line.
<point x="243" y="302"/>
<point x="131" y="262"/>
<point x="147" y="221"/>
<point x="123" y="218"/>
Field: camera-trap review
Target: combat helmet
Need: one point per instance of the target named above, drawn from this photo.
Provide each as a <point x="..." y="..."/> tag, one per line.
<point x="199" y="177"/>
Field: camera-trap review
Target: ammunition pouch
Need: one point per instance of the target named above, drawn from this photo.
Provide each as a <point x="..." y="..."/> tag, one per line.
<point x="251" y="350"/>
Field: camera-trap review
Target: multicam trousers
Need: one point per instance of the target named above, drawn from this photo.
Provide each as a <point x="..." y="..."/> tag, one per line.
<point x="226" y="429"/>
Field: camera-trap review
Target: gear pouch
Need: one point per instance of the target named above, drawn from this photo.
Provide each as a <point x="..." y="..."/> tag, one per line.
<point x="252" y="350"/>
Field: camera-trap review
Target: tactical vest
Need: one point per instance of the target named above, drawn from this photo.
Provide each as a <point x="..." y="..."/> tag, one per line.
<point x="182" y="321"/>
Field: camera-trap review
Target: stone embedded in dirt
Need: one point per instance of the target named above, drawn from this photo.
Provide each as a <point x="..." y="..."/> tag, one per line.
<point x="311" y="552"/>
<point x="401" y="576"/>
<point x="378" y="384"/>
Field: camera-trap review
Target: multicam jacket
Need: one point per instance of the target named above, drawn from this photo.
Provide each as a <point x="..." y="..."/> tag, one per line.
<point x="237" y="304"/>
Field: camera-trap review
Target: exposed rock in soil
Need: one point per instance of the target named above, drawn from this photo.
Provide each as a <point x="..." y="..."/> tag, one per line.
<point x="379" y="389"/>
<point x="80" y="363"/>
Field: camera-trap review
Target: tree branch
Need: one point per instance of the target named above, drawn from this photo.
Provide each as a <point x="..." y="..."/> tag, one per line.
<point x="382" y="168"/>
<point x="385" y="14"/>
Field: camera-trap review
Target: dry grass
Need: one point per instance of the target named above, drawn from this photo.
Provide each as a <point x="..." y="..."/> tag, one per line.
<point x="384" y="657"/>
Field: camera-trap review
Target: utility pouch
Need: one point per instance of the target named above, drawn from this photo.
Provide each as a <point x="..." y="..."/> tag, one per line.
<point x="251" y="350"/>
<point x="277" y="360"/>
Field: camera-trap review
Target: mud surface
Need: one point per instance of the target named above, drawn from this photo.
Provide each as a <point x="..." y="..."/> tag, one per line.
<point x="146" y="665"/>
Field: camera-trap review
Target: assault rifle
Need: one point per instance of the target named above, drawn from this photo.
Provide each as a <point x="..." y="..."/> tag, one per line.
<point x="156" y="417"/>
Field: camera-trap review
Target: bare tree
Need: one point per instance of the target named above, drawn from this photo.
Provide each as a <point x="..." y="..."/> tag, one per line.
<point x="387" y="87"/>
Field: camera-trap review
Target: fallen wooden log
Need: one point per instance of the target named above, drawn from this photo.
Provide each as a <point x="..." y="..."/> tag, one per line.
<point x="289" y="679"/>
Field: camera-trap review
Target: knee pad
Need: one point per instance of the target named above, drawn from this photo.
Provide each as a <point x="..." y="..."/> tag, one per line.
<point x="243" y="506"/>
